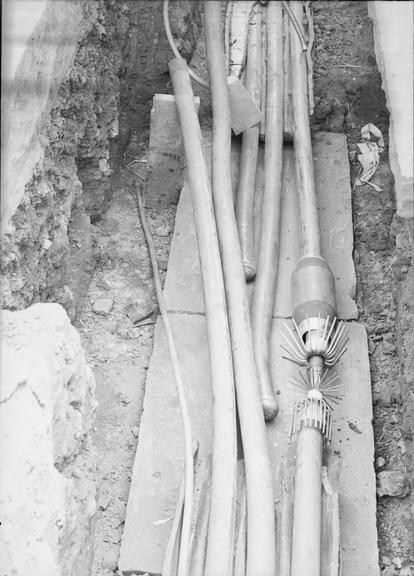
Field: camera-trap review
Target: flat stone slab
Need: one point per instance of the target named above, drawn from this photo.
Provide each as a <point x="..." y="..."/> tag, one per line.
<point x="183" y="285"/>
<point x="166" y="153"/>
<point x="159" y="463"/>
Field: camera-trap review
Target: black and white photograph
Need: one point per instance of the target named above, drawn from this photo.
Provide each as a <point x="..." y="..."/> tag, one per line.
<point x="207" y="288"/>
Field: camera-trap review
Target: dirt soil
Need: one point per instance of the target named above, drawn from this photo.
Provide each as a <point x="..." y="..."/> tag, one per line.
<point x="348" y="95"/>
<point x="118" y="315"/>
<point x="117" y="326"/>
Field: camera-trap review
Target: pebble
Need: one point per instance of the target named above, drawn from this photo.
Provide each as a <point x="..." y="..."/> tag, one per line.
<point x="163" y="231"/>
<point x="389" y="571"/>
<point x="386" y="561"/>
<point x="110" y="558"/>
<point x="392" y="483"/>
<point x="380" y="462"/>
<point x="394" y="419"/>
<point x="102" y="306"/>
<point x="389" y="349"/>
<point x="104" y="501"/>
<point x="102" y="283"/>
<point x="371" y="346"/>
<point x="162" y="262"/>
<point x="401" y="445"/>
<point x="47" y="244"/>
<point x="139" y="310"/>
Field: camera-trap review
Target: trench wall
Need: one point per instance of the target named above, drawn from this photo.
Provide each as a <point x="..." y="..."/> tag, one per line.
<point x="77" y="83"/>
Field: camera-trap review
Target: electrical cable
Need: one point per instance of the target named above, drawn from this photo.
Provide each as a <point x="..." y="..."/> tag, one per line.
<point x="296" y="25"/>
<point x="184" y="552"/>
<point x="174" y="48"/>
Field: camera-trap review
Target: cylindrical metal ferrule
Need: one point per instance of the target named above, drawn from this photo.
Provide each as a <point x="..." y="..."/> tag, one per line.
<point x="313" y="290"/>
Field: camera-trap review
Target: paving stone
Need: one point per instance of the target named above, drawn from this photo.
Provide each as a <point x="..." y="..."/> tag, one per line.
<point x="183" y="284"/>
<point x="159" y="462"/>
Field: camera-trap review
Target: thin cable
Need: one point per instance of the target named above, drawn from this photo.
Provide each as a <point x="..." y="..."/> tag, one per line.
<point x="185" y="415"/>
<point x="174" y="48"/>
<point x="296" y="25"/>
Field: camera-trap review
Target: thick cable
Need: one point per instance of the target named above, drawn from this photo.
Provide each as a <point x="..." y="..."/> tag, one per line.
<point x="174" y="48"/>
<point x="261" y="553"/>
<point x="219" y="555"/>
<point x="249" y="150"/>
<point x="309" y="220"/>
<point x="294" y="18"/>
<point x="184" y="550"/>
<point x="268" y="257"/>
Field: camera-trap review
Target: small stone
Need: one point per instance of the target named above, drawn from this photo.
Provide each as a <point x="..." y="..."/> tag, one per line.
<point x="397" y="562"/>
<point x="163" y="231"/>
<point x="371" y="346"/>
<point x="102" y="306"/>
<point x="380" y="463"/>
<point x="394" y="419"/>
<point x="47" y="244"/>
<point x="324" y="108"/>
<point x="145" y="322"/>
<point x="139" y="310"/>
<point x="163" y="262"/>
<point x="103" y="284"/>
<point x="135" y="431"/>
<point x="389" y="571"/>
<point x="401" y="445"/>
<point x="392" y="483"/>
<point x="336" y="121"/>
<point x="110" y="558"/>
<point x="104" y="501"/>
<point x="67" y="301"/>
<point x="389" y="349"/>
<point x="356" y="256"/>
<point x="406" y="571"/>
<point x="386" y="561"/>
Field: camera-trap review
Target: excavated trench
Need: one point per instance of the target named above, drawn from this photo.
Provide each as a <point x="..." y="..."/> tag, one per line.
<point x="75" y="239"/>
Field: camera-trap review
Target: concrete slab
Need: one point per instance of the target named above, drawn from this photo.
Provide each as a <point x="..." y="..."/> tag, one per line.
<point x="159" y="461"/>
<point x="352" y="442"/>
<point x="183" y="284"/>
